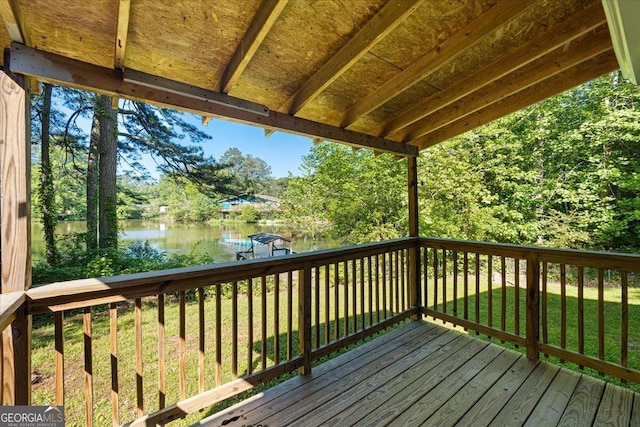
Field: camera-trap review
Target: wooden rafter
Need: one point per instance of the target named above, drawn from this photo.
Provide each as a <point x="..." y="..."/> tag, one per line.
<point x="473" y="32"/>
<point x="385" y="21"/>
<point x="557" y="36"/>
<point x="57" y="69"/>
<point x="575" y="76"/>
<point x="121" y="33"/>
<point x="263" y="21"/>
<point x="10" y="12"/>
<point x="562" y="60"/>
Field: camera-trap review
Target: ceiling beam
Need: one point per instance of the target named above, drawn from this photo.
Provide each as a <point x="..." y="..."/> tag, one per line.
<point x="573" y="77"/>
<point x="555" y="62"/>
<point x="263" y="21"/>
<point x="60" y="70"/>
<point x="10" y="12"/>
<point x="385" y="21"/>
<point x="122" y="30"/>
<point x="558" y="35"/>
<point x="498" y="15"/>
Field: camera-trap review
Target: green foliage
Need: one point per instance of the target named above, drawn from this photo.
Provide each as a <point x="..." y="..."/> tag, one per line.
<point x="77" y="263"/>
<point x="564" y="173"/>
<point x="185" y="202"/>
<point x="355" y="196"/>
<point x="249" y="214"/>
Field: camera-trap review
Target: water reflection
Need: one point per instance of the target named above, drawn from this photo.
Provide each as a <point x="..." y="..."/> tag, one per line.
<point x="221" y="241"/>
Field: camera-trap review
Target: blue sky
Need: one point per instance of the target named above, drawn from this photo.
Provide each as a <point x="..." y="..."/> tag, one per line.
<point x="282" y="151"/>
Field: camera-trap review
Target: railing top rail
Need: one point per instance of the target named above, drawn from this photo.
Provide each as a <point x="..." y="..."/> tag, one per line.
<point x="9" y="303"/>
<point x="83" y="292"/>
<point x="595" y="259"/>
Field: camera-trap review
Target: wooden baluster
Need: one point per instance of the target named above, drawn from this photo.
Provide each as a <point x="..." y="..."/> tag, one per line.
<point x="377" y="288"/>
<point x="354" y="296"/>
<point x="624" y="318"/>
<point x="316" y="280"/>
<point x="533" y="310"/>
<point x="182" y="357"/>
<point x="465" y="267"/>
<point x="304" y="319"/>
<point x="113" y="344"/>
<point x="601" y="315"/>
<point x="139" y="369"/>
<point x="362" y="294"/>
<point x="435" y="280"/>
<point x="289" y="315"/>
<point x="336" y="303"/>
<point x="403" y="279"/>
<point x="384" y="285"/>
<point x="581" y="312"/>
<point x="370" y="288"/>
<point x="201" y="344"/>
<point x="327" y="309"/>
<point x="503" y="302"/>
<point x="59" y="358"/>
<point x="88" y="367"/>
<point x="563" y="306"/>
<point x="250" y="326"/>
<point x="490" y="290"/>
<point x="444" y="280"/>
<point x="276" y="317"/>
<point x="425" y="273"/>
<point x="263" y="324"/>
<point x="454" y="260"/>
<point x="219" y="335"/>
<point x="234" y="330"/>
<point x="516" y="302"/>
<point x="545" y="320"/>
<point x="162" y="377"/>
<point x="346" y="299"/>
<point x="477" y="299"/>
<point x="396" y="268"/>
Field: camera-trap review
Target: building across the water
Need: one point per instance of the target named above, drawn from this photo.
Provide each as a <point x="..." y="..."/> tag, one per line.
<point x="261" y="202"/>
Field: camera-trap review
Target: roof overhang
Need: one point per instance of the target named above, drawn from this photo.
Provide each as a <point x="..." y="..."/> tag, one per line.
<point x="623" y="18"/>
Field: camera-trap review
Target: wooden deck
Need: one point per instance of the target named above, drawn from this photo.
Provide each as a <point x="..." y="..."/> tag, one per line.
<point x="426" y="374"/>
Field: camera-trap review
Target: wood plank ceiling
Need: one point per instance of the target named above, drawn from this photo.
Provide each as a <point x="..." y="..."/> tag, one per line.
<point x="391" y="75"/>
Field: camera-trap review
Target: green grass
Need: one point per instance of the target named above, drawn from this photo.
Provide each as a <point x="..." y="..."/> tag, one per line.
<point x="249" y="353"/>
<point x="552" y="335"/>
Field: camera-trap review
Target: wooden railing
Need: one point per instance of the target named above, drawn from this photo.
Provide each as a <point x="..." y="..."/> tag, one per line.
<point x="153" y="347"/>
<point x="573" y="305"/>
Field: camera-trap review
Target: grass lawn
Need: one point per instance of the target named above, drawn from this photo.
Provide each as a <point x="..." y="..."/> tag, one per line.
<point x="249" y="351"/>
<point x="250" y="355"/>
<point x="612" y="316"/>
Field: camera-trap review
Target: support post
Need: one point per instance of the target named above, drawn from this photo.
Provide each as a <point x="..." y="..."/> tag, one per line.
<point x="533" y="306"/>
<point x="414" y="251"/>
<point x="15" y="241"/>
<point x="304" y="318"/>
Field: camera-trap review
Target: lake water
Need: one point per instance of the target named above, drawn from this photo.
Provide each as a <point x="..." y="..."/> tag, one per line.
<point x="221" y="241"/>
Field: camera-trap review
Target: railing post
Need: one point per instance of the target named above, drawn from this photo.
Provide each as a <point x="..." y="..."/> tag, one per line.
<point x="533" y="306"/>
<point x="304" y="318"/>
<point x="414" y="250"/>
<point x="15" y="238"/>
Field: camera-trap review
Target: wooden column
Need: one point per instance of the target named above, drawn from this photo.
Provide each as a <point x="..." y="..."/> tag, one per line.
<point x="304" y="318"/>
<point x="414" y="251"/>
<point x="15" y="235"/>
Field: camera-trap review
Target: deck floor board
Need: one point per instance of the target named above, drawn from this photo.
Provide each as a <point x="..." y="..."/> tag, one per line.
<point x="426" y="374"/>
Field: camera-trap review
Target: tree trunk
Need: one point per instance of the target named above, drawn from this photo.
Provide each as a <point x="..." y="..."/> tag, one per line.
<point x="92" y="181"/>
<point x="108" y="200"/>
<point x="46" y="182"/>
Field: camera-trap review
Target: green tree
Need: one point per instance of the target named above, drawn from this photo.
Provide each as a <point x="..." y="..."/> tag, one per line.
<point x="250" y="174"/>
<point x="358" y="196"/>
